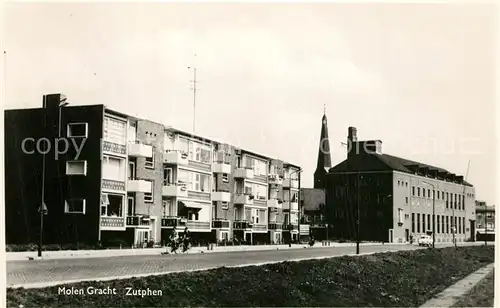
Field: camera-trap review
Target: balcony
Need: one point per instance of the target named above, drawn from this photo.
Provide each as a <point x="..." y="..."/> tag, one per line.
<point x="290" y="183"/>
<point x="274" y="203"/>
<point x="243" y="173"/>
<point x="293" y="206"/>
<point x="221" y="224"/>
<point x="221" y="167"/>
<point x="221" y="196"/>
<point x="173" y="221"/>
<point x="291" y="227"/>
<point x="139" y="149"/>
<point x="275" y="226"/>
<point x="241" y="225"/>
<point x="137" y="185"/>
<point x="243" y="199"/>
<point x="174" y="157"/>
<point x="275" y="179"/>
<point x="112" y="223"/>
<point x="198" y="225"/>
<point x="259" y="228"/>
<point x="175" y="191"/>
<point x="137" y="221"/>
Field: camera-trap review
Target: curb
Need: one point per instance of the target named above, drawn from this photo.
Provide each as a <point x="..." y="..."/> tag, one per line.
<point x="38" y="285"/>
<point x="452" y="294"/>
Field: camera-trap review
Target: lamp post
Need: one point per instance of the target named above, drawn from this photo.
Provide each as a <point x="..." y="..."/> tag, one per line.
<point x="433" y="212"/>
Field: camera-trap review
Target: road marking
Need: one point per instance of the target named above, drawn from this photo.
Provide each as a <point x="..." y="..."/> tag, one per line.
<point x="37" y="285"/>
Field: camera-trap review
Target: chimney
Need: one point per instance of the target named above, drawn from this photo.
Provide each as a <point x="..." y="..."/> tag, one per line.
<point x="352" y="134"/>
<point x="352" y="141"/>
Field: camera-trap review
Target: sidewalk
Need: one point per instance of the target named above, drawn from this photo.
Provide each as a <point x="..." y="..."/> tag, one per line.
<point x="449" y="296"/>
<point x="70" y="254"/>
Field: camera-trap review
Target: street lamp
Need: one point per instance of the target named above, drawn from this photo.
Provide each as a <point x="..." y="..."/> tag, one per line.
<point x="433" y="212"/>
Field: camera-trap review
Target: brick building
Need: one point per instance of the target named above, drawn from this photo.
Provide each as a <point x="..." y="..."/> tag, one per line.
<point x="395" y="197"/>
<point x="133" y="180"/>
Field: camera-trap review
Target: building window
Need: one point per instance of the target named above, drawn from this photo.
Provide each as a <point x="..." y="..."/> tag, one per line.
<point x="459" y="225"/>
<point x="428" y="193"/>
<point x="463" y="225"/>
<point x="423" y="193"/>
<point x="447" y="199"/>
<point x="429" y="222"/>
<point x="149" y="197"/>
<point x="442" y="224"/>
<point x="399" y="183"/>
<point x="114" y="206"/>
<point x="113" y="168"/>
<point x="150" y="161"/>
<point x="418" y="191"/>
<point x="225" y="178"/>
<point x="413" y="222"/>
<point x="406" y="184"/>
<point x="423" y="223"/>
<point x="115" y="130"/>
<point x="438" y="224"/>
<point x="76" y="167"/>
<point x="413" y="190"/>
<point x="447" y="224"/>
<point x="406" y="200"/>
<point x="75" y="206"/>
<point x="76" y="130"/>
<point x="224" y="205"/>
<point x="418" y="223"/>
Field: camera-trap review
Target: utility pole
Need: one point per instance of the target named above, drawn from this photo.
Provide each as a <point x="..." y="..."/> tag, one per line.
<point x="194" y="81"/>
<point x="358" y="218"/>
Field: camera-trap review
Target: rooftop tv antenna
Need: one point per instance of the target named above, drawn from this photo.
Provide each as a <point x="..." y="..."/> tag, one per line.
<point x="194" y="82"/>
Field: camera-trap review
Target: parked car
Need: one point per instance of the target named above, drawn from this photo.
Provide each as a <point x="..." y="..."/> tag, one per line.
<point x="425" y="240"/>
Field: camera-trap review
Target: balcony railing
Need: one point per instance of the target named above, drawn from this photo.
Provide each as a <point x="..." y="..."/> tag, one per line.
<point x="290" y="183"/>
<point x="221" y="167"/>
<point x="241" y="225"/>
<point x="275" y="179"/>
<point x="221" y="224"/>
<point x="175" y="190"/>
<point x="113" y="222"/>
<point x="221" y="196"/>
<point x="175" y="157"/>
<point x="139" y="185"/>
<point x="137" y="220"/>
<point x="173" y="221"/>
<point x="274" y="203"/>
<point x="198" y="225"/>
<point x="243" y="199"/>
<point x="139" y="149"/>
<point x="275" y="226"/>
<point x="259" y="227"/>
<point x="244" y="173"/>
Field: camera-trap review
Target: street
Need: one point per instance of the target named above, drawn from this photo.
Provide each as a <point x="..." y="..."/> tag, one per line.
<point x="51" y="271"/>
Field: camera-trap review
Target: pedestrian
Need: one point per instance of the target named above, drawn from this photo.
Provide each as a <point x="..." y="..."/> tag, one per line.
<point x="173" y="241"/>
<point x="186" y="240"/>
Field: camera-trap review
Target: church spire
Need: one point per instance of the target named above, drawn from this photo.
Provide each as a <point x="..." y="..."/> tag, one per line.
<point x="324" y="162"/>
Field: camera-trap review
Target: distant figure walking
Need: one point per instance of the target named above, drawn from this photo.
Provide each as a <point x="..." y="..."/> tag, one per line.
<point x="186" y="240"/>
<point x="174" y="241"/>
<point x="312" y="241"/>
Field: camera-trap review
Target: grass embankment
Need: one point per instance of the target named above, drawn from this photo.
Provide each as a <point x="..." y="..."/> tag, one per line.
<point x="406" y="278"/>
<point x="482" y="295"/>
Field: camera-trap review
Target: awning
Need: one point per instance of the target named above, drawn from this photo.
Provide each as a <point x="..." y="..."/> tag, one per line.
<point x="193" y="205"/>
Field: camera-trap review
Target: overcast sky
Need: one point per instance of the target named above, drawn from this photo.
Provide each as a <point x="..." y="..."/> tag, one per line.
<point x="418" y="77"/>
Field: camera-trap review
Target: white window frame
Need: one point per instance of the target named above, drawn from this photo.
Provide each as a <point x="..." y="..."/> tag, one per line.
<point x="66" y="206"/>
<point x="105" y="159"/>
<point x="146" y="195"/>
<point x="150" y="164"/>
<point x="70" y="135"/>
<point x="77" y="161"/>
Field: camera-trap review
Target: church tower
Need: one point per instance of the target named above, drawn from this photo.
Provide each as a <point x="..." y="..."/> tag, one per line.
<point x="324" y="159"/>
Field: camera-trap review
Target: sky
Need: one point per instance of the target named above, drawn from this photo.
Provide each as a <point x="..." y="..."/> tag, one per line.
<point x="419" y="77"/>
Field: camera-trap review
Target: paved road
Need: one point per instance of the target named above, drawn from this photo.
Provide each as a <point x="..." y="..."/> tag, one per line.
<point x="51" y="271"/>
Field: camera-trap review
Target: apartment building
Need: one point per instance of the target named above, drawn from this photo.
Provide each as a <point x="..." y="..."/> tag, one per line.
<point x="133" y="180"/>
<point x="395" y="197"/>
<point x="485" y="221"/>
